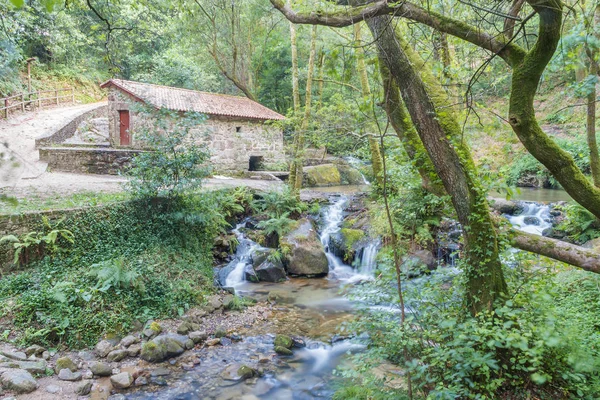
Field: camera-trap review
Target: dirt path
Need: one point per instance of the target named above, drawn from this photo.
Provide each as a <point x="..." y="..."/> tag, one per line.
<point x="19" y="160"/>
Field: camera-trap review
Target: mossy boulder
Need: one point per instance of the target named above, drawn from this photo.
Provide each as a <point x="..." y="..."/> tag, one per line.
<point x="304" y="253"/>
<point x="322" y="175"/>
<point x="350" y="175"/>
<point x="65" y="363"/>
<point x="283" y="351"/>
<point x="283" y="341"/>
<point x="164" y="347"/>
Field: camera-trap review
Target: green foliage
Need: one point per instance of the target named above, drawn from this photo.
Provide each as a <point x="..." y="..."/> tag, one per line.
<point x="114" y="274"/>
<point x="240" y="303"/>
<point x="527" y="166"/>
<point x="277" y="203"/>
<point x="542" y="343"/>
<point x="580" y="224"/>
<point x="175" y="163"/>
<point x="36" y="244"/>
<point x="277" y="225"/>
<point x="149" y="260"/>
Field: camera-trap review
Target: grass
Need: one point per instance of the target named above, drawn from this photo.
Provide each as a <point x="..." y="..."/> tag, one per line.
<point x="56" y="201"/>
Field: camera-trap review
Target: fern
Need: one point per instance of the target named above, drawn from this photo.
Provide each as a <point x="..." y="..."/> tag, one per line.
<point x="279" y="226"/>
<point x="114" y="274"/>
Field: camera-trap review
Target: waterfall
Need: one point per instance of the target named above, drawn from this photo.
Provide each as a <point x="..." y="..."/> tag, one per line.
<point x="368" y="258"/>
<point x="356" y="163"/>
<point x="243" y="257"/>
<point x="535" y="218"/>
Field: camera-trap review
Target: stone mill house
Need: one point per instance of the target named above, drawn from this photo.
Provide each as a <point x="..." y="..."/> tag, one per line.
<point x="237" y="131"/>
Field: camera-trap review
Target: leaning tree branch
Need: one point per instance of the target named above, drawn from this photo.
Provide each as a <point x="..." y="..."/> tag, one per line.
<point x="577" y="256"/>
<point x="509" y="51"/>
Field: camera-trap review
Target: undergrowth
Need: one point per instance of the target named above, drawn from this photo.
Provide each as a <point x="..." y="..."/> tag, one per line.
<point x="130" y="262"/>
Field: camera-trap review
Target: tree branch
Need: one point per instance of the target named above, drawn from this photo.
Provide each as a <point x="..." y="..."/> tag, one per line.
<point x="500" y="45"/>
<point x="577" y="256"/>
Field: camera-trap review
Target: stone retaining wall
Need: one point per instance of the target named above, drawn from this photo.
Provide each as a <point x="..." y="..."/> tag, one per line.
<point x="104" y="161"/>
<point x="68" y="130"/>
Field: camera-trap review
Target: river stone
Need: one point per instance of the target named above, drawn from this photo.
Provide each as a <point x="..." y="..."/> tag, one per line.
<point x="187" y="327"/>
<point x="14" y="355"/>
<point x="250" y="274"/>
<point x="271" y="272"/>
<point x="100" y="369"/>
<point x="164" y="347"/>
<point x="66" y="374"/>
<point x="19" y="381"/>
<point x="531" y="220"/>
<point x="245" y="372"/>
<point x="198" y="336"/>
<point x="65" y="362"/>
<point x="283" y="341"/>
<point x="103" y="348"/>
<point x="260" y="255"/>
<point x="116" y="355"/>
<point x="53" y="389"/>
<point x="160" y="372"/>
<point x="213" y="342"/>
<point x="141" y="381"/>
<point x="504" y="206"/>
<point x="122" y="380"/>
<point x="322" y="175"/>
<point x="283" y="351"/>
<point x="227" y="302"/>
<point x="129" y="340"/>
<point x="232" y="373"/>
<point x="33" y="367"/>
<point x="84" y="388"/>
<point x="306" y="255"/>
<point x="34" y="350"/>
<point x="134" y="350"/>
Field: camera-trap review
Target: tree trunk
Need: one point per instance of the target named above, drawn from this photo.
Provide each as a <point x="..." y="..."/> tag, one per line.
<point x="441" y="137"/>
<point x="321" y="76"/>
<point x="376" y="162"/>
<point x="307" y="110"/>
<point x="295" y="90"/>
<point x="591" y="101"/>
<point x="578" y="256"/>
<point x="406" y="132"/>
<point x="527" y="73"/>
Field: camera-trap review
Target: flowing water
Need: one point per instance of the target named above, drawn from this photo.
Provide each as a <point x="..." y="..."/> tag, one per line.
<point x="535" y="218"/>
<point x="309" y="308"/>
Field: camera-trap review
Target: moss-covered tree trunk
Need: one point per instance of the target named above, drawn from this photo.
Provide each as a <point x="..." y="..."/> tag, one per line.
<point x="594" y="69"/>
<point x="441" y="136"/>
<point x="301" y="135"/>
<point x="361" y="68"/>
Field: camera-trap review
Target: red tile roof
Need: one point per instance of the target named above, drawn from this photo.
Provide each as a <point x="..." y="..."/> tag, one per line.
<point x="192" y="100"/>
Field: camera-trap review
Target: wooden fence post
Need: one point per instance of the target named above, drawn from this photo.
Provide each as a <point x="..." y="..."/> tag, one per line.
<point x="39" y="99"/>
<point x="6" y="108"/>
<point x="56" y="94"/>
<point x="22" y="102"/>
<point x="73" y="95"/>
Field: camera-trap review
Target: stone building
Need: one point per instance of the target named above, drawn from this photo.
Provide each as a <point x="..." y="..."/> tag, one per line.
<point x="237" y="131"/>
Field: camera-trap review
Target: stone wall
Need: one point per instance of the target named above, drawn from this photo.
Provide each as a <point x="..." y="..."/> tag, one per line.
<point x="68" y="130"/>
<point x="86" y="160"/>
<point x="231" y="141"/>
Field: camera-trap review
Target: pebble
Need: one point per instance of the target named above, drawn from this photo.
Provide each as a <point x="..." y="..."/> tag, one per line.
<point x="53" y="389"/>
<point x="84" y="388"/>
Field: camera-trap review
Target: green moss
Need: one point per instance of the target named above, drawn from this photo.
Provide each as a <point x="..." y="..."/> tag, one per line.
<point x="323" y="175"/>
<point x="351" y="237"/>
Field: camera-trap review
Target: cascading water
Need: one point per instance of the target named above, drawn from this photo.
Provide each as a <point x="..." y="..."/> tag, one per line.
<point x="243" y="258"/>
<point x="368" y="258"/>
<point x="356" y="163"/>
<point x="334" y="217"/>
<point x="534" y="219"/>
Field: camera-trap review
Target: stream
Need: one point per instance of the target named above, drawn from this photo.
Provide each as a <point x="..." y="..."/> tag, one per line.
<point x="310" y="310"/>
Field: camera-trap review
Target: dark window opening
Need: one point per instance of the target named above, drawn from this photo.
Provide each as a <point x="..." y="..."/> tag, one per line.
<point x="238" y="129"/>
<point x="256" y="163"/>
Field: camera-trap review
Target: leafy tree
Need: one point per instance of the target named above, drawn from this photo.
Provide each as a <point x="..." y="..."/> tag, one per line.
<point x="175" y="162"/>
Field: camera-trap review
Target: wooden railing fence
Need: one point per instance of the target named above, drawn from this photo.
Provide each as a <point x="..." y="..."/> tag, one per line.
<point x="33" y="100"/>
